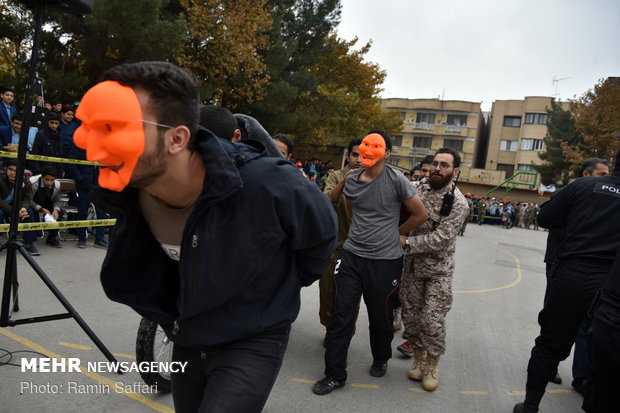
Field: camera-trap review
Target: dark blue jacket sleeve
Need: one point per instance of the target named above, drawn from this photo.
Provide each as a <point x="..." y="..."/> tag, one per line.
<point x="311" y="224"/>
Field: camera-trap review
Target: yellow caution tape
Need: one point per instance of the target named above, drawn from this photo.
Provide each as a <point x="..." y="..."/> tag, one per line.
<point x="6" y="154"/>
<point x="31" y="226"/>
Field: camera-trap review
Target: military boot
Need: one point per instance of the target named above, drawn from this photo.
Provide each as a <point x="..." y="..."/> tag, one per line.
<point x="419" y="359"/>
<point x="430" y="380"/>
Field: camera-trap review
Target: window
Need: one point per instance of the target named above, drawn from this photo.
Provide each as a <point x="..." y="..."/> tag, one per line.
<point x="426" y="118"/>
<point x="460" y="120"/>
<point x="536" y="118"/>
<point x="512" y="121"/>
<point x="398" y="140"/>
<point x="511" y="146"/>
<point x="525" y="167"/>
<point x="456" y="145"/>
<point x="402" y="115"/>
<point x="420" y="142"/>
<point x="509" y="168"/>
<point x="532" y="145"/>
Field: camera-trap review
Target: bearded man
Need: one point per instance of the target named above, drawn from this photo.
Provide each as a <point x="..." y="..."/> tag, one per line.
<point x="426" y="290"/>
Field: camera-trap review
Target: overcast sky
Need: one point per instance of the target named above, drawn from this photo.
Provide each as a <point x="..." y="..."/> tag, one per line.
<point x="486" y="50"/>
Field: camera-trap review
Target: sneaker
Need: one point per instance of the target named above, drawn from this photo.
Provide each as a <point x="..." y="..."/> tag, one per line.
<point x="53" y="242"/>
<point x="81" y="244"/>
<point x="101" y="244"/>
<point x="378" y="368"/>
<point x="326" y="385"/>
<point x="405" y="349"/>
<point x="32" y="250"/>
<point x="557" y="379"/>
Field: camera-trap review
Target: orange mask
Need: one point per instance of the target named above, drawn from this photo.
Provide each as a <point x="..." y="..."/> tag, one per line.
<point x="372" y="149"/>
<point x="112" y="132"/>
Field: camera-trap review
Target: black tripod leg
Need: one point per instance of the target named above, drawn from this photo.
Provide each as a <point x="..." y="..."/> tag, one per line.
<point x="65" y="303"/>
<point x="15" y="288"/>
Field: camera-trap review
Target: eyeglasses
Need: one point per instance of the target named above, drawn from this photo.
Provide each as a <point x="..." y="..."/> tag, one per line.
<point x="156" y="124"/>
<point x="441" y="165"/>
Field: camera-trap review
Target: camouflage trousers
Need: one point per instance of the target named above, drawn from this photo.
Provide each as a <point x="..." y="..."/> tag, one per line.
<point x="426" y="302"/>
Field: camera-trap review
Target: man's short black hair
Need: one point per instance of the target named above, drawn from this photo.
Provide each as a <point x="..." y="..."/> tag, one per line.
<point x="173" y="92"/>
<point x="53" y="116"/>
<point x="428" y="159"/>
<point x="7" y="89"/>
<point x="285" y="139"/>
<point x="218" y="120"/>
<point x="386" y="138"/>
<point x="49" y="170"/>
<point x="415" y="168"/>
<point x="354" y="142"/>
<point x="11" y="162"/>
<point x="17" y="116"/>
<point x="455" y="155"/>
<point x="590" y="164"/>
<point x="66" y="108"/>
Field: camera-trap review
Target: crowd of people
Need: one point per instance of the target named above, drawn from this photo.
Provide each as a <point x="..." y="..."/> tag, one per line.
<point x="52" y="138"/>
<point x="219" y="227"/>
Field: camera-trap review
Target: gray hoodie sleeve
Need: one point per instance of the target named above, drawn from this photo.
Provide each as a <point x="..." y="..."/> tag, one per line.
<point x="252" y="130"/>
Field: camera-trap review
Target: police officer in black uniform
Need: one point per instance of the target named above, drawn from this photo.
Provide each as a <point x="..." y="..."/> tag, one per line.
<point x="587" y="208"/>
<point x="604" y="378"/>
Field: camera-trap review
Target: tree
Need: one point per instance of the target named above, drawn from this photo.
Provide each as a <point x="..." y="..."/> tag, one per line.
<point x="597" y="118"/>
<point x="561" y="132"/>
<point x="345" y="102"/>
<point x="16" y="30"/>
<point x="223" y="49"/>
<point x="120" y="31"/>
<point x="298" y="37"/>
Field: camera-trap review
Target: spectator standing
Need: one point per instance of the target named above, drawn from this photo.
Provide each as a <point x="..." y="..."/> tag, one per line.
<point x="6" y="112"/>
<point x="48" y="142"/>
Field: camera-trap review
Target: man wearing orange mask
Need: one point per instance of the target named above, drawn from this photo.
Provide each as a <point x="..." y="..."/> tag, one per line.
<point x="371" y="261"/>
<point x="208" y="243"/>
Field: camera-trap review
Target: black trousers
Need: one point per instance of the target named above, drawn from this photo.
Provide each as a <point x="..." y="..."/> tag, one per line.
<point x="572" y="286"/>
<point x="236" y="377"/>
<point x="604" y="374"/>
<point x="377" y="281"/>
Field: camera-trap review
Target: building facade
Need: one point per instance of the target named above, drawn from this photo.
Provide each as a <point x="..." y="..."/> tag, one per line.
<point x="516" y="138"/>
<point x="430" y="124"/>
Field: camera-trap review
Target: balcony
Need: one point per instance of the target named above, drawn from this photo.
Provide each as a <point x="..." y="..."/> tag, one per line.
<point x="454" y="128"/>
<point x="423" y="126"/>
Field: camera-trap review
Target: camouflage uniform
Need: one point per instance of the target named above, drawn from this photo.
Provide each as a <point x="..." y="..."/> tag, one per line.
<point x="326" y="283"/>
<point x="482" y="209"/>
<point x="529" y="216"/>
<point x="426" y="285"/>
<point x="470" y="204"/>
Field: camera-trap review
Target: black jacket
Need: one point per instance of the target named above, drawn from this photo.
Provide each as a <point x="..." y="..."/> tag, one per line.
<point x="47" y="143"/>
<point x="85" y="176"/>
<point x="589" y="210"/>
<point x="259" y="232"/>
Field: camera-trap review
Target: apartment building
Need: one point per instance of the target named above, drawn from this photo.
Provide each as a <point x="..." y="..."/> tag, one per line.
<point x="517" y="129"/>
<point x="430" y="124"/>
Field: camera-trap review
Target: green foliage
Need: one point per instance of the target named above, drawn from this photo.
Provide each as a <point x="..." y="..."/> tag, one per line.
<point x="597" y="118"/>
<point x="561" y="132"/>
<point x="120" y="31"/>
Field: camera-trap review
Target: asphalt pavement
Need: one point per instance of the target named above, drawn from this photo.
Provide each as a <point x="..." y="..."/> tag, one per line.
<point x="499" y="285"/>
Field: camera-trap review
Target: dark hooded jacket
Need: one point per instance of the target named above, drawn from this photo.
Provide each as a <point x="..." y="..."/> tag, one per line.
<point x="259" y="231"/>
